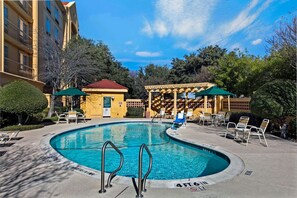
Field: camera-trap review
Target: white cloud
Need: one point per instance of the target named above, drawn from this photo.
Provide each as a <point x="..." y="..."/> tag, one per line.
<point x="184" y="18"/>
<point x="129" y="42"/>
<point x="244" y="19"/>
<point x="256" y="42"/>
<point x="148" y="54"/>
<point x="147" y="29"/>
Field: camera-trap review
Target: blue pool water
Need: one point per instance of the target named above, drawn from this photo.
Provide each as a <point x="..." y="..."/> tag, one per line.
<point x="171" y="159"/>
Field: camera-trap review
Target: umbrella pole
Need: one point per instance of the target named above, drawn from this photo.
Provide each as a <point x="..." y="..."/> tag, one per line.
<point x="228" y="103"/>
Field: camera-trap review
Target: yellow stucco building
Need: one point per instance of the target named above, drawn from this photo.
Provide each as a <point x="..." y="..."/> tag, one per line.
<point x="23" y="24"/>
<point x="105" y="99"/>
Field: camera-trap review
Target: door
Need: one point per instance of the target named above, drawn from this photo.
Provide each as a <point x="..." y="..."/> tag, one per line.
<point x="106" y="106"/>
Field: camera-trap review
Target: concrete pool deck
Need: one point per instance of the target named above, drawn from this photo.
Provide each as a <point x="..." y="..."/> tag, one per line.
<point x="27" y="171"/>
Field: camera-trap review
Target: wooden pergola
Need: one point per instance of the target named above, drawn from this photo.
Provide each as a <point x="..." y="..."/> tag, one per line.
<point x="175" y="89"/>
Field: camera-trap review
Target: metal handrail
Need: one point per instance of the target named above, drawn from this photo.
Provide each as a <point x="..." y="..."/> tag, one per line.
<point x="111" y="175"/>
<point x="141" y="182"/>
<point x="155" y="117"/>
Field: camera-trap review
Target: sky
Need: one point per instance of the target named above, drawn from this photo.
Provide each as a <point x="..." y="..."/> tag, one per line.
<point x="140" y="32"/>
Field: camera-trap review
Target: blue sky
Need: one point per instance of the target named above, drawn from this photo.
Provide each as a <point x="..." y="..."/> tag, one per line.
<point x="140" y="32"/>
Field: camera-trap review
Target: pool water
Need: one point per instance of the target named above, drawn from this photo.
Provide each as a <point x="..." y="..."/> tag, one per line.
<point x="171" y="159"/>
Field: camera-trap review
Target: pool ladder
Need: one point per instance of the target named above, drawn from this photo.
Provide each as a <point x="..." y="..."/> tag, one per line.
<point x="141" y="181"/>
<point x="113" y="174"/>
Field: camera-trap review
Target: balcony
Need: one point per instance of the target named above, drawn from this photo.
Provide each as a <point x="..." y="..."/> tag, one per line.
<point x="17" y="34"/>
<point x="26" y="6"/>
<point x="16" y="68"/>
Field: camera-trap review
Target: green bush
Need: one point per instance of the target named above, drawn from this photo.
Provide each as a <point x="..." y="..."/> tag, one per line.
<point x="134" y="112"/>
<point x="22" y="127"/>
<point x="292" y="129"/>
<point x="275" y="100"/>
<point x="254" y="119"/>
<point x="20" y="97"/>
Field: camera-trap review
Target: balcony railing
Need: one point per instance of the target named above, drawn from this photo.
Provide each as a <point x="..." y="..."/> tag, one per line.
<point x="14" y="67"/>
<point x="26" y="6"/>
<point x="18" y="34"/>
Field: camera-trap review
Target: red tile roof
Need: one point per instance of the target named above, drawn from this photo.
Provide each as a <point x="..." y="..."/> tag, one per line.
<point x="106" y="84"/>
<point x="65" y="3"/>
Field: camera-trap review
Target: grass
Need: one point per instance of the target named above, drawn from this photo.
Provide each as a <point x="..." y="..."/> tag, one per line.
<point x="22" y="127"/>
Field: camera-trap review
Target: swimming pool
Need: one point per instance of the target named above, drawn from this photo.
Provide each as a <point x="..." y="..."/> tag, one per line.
<point x="171" y="159"/>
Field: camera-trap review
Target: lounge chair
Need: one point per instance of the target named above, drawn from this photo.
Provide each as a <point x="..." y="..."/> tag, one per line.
<point x="81" y="116"/>
<point x="6" y="137"/>
<point x="241" y="127"/>
<point x="72" y="115"/>
<point x="258" y="131"/>
<point x="61" y="117"/>
<point x="180" y="120"/>
<point x="162" y="113"/>
<point x="189" y="114"/>
<point x="205" y="117"/>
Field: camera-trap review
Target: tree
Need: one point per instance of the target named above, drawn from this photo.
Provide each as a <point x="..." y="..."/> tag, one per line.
<point x="194" y="67"/>
<point x="236" y="72"/>
<point x="149" y="75"/>
<point x="20" y="97"/>
<point x="283" y="45"/>
<point x="65" y="67"/>
<point x="275" y="100"/>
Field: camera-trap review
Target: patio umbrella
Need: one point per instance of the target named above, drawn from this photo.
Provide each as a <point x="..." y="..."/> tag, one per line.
<point x="215" y="91"/>
<point x="71" y="92"/>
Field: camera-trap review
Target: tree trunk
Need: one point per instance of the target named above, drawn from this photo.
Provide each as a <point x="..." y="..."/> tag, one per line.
<point x="19" y="118"/>
<point x="52" y="105"/>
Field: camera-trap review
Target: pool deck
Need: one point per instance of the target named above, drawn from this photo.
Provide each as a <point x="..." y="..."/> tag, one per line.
<point x="26" y="170"/>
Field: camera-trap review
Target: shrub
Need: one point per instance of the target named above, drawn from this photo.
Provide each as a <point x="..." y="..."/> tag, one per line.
<point x="134" y="112"/>
<point x="254" y="119"/>
<point x="20" y="97"/>
<point x="275" y="100"/>
<point x="22" y="127"/>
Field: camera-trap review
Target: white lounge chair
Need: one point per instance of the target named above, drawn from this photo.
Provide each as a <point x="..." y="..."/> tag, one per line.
<point x="61" y="117"/>
<point x="7" y="136"/>
<point x="240" y="127"/>
<point x="258" y="131"/>
<point x="81" y="116"/>
<point x="72" y="115"/>
<point x="205" y="117"/>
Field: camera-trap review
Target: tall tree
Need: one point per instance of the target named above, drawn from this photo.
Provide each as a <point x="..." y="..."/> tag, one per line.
<point x="236" y="72"/>
<point x="284" y="41"/>
<point x="149" y="75"/>
<point x="65" y="67"/>
<point x="194" y="67"/>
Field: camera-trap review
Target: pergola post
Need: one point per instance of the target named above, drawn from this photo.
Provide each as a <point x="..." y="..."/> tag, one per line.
<point x="150" y="101"/>
<point x="175" y="102"/>
<point x="228" y="103"/>
<point x="215" y="105"/>
<point x="186" y="101"/>
<point x="205" y="103"/>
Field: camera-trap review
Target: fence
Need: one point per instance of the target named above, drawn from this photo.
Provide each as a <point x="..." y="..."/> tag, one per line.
<point x="237" y="104"/>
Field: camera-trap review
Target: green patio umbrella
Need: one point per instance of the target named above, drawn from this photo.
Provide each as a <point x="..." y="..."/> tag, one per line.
<point x="215" y="91"/>
<point x="71" y="92"/>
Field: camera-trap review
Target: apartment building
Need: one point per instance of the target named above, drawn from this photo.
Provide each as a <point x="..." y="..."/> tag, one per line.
<point x="23" y="24"/>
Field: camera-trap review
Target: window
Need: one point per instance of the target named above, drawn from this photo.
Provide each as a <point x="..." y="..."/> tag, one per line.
<point x="24" y="61"/>
<point x="56" y="35"/>
<point x="23" y="27"/>
<point x="5" y="19"/>
<point x="48" y="26"/>
<point x="5" y="55"/>
<point x="57" y="15"/>
<point x="48" y="5"/>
